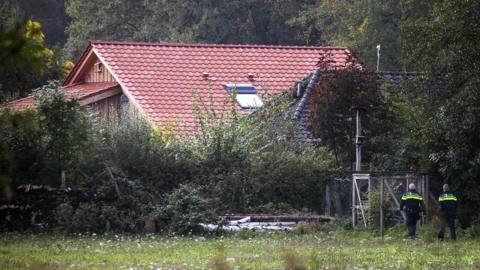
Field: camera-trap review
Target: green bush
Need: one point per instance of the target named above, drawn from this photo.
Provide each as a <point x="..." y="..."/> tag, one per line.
<point x="146" y="153"/>
<point x="63" y="216"/>
<point x="93" y="217"/>
<point x="23" y="158"/>
<point x="251" y="161"/>
<point x="472" y="232"/>
<point x="185" y="209"/>
<point x="84" y="218"/>
<point x="273" y="208"/>
<point x="132" y="173"/>
<point x="373" y="211"/>
<point x="41" y="143"/>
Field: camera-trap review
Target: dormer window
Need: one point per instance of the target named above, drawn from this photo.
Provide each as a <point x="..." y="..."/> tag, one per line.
<point x="245" y="94"/>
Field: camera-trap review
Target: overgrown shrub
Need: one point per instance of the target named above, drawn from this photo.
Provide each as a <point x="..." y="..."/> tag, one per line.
<point x="19" y="145"/>
<point x="84" y="218"/>
<point x="94" y="217"/>
<point x="63" y="215"/>
<point x="273" y="208"/>
<point x="108" y="203"/>
<point x="185" y="209"/>
<point x="66" y="127"/>
<point x="374" y="208"/>
<point x="251" y="161"/>
<point x="146" y="153"/>
<point x="43" y="141"/>
<point x="132" y="174"/>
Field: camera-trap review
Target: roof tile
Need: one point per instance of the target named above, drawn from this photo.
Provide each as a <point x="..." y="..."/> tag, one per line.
<point x="161" y="76"/>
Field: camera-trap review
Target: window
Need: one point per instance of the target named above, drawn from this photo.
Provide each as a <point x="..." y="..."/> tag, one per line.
<point x="246" y="95"/>
<point x="98" y="67"/>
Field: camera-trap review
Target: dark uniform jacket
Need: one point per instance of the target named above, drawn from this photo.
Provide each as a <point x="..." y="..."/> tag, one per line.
<point x="412" y="202"/>
<point x="448" y="203"/>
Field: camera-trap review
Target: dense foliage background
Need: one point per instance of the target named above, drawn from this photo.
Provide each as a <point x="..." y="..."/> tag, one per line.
<point x="430" y="124"/>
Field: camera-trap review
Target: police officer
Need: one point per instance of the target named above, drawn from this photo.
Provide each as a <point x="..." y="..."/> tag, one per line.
<point x="413" y="204"/>
<point x="448" y="204"/>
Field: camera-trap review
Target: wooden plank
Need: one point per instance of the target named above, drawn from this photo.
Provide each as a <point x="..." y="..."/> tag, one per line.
<point x="103" y="95"/>
<point x="361" y="206"/>
<point x="93" y="75"/>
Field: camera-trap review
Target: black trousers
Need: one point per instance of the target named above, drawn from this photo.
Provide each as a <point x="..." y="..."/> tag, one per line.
<point x="412" y="219"/>
<point x="450" y="222"/>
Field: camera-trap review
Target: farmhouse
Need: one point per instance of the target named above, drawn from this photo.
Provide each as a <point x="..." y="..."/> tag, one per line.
<point x="162" y="80"/>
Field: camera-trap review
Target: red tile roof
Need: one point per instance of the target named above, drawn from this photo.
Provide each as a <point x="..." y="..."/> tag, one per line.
<point x="161" y="77"/>
<point x="78" y="91"/>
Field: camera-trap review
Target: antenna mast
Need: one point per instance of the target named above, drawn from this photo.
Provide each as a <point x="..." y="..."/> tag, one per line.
<point x="359" y="138"/>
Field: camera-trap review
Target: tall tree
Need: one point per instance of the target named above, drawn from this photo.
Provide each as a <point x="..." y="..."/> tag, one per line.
<point x="51" y="14"/>
<point x="360" y="25"/>
<point x="26" y="61"/>
<point x="122" y="20"/>
<point x="334" y="114"/>
<point x="445" y="101"/>
<point x="206" y="21"/>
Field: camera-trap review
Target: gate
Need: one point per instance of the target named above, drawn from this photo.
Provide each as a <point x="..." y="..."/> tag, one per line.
<point x="375" y="197"/>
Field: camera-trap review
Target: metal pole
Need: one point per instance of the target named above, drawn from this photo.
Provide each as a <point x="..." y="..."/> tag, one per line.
<point x="358" y="148"/>
<point x="358" y="167"/>
<point x="378" y="57"/>
<point x="381" y="207"/>
<point x="354" y="213"/>
<point x="358" y="161"/>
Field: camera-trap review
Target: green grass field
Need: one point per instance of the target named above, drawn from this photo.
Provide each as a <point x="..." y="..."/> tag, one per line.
<point x="320" y="250"/>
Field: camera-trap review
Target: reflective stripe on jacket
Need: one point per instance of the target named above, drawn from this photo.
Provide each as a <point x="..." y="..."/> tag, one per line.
<point x="412" y="202"/>
<point x="447" y="197"/>
<point x="448" y="203"/>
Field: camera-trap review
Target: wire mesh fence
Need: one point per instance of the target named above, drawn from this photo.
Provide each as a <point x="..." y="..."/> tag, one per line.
<point x="372" y="199"/>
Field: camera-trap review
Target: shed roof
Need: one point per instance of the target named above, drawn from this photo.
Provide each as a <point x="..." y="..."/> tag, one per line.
<point x="78" y="91"/>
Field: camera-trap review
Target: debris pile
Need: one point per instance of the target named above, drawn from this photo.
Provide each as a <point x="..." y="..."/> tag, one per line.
<point x="256" y="222"/>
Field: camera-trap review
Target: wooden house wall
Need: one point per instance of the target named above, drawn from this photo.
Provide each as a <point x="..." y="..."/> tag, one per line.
<point x="94" y="75"/>
<point x="108" y="108"/>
